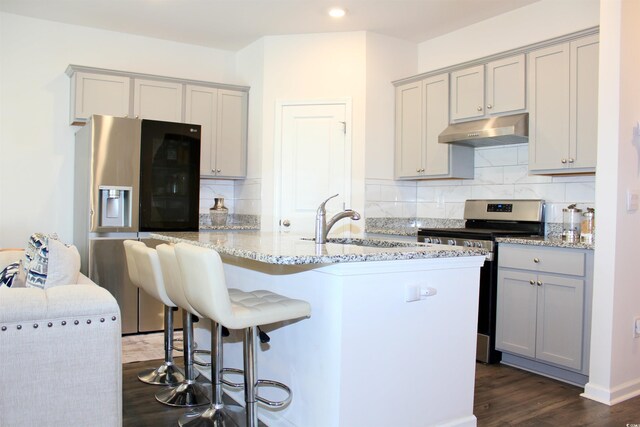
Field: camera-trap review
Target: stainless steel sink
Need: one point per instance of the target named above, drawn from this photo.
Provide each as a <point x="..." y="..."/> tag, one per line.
<point x="372" y="243"/>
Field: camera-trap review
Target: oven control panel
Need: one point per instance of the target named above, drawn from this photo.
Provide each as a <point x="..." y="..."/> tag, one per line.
<point x="500" y="207"/>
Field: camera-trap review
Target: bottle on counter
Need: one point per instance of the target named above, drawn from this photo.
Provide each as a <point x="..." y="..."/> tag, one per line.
<point x="587" y="225"/>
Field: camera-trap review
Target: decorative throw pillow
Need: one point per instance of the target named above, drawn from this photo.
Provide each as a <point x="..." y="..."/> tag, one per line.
<point x="49" y="262"/>
<point x="9" y="276"/>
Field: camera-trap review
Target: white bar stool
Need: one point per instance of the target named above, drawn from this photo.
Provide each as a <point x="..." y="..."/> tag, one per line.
<point x="206" y="290"/>
<point x="217" y="414"/>
<point x="167" y="373"/>
<point x="187" y="393"/>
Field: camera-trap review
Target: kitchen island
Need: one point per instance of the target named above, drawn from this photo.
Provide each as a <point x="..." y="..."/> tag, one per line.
<point x="392" y="335"/>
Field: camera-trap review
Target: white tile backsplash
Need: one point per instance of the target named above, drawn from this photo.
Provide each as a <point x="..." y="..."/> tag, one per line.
<point x="496" y="156"/>
<point x="500" y="173"/>
<point x="240" y="197"/>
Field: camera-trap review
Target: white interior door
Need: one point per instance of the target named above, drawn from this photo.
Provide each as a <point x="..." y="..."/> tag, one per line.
<point x="315" y="164"/>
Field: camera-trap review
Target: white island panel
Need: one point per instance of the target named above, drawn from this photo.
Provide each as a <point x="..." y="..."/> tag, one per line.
<point x="366" y="357"/>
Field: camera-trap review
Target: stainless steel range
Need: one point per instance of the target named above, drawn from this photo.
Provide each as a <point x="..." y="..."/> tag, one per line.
<point x="485" y="220"/>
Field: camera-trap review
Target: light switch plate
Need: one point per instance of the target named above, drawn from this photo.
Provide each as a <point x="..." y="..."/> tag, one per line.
<point x="633" y="199"/>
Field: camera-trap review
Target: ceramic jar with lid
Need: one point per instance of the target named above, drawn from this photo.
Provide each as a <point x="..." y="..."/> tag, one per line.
<point x="218" y="212"/>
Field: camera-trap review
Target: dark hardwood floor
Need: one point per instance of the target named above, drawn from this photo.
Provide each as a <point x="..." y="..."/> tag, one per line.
<point x="504" y="396"/>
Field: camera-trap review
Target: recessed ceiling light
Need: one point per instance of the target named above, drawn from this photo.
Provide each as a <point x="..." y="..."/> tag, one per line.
<point x="337" y="12"/>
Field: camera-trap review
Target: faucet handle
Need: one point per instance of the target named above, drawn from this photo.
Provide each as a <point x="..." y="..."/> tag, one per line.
<point x="321" y="207"/>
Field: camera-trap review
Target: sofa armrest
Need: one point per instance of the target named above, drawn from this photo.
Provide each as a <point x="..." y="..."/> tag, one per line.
<point x="63" y="345"/>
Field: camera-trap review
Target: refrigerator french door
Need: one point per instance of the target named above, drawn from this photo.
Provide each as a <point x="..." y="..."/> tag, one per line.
<point x="132" y="177"/>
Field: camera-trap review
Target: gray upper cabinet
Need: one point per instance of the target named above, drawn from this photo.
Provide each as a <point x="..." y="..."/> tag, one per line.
<point x="563" y="112"/>
<point x="95" y="93"/>
<point x="220" y="109"/>
<point x="422" y="113"/>
<point x="157" y="100"/>
<point x="467" y="93"/>
<point x="223" y="116"/>
<point x="499" y="87"/>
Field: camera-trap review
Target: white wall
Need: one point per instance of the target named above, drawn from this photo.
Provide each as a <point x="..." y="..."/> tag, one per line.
<point x="312" y="67"/>
<point x="36" y="142"/>
<point x="536" y="22"/>
<point x="388" y="59"/>
<point x="615" y="353"/>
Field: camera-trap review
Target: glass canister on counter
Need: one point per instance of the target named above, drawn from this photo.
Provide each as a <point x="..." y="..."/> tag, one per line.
<point x="588" y="225"/>
<point x="571" y="222"/>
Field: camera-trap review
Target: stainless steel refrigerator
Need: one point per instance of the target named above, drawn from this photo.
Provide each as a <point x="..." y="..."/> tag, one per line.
<point x="132" y="177"/>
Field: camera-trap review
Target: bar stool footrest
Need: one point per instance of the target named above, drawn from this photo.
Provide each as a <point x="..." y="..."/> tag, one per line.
<point x="232" y="371"/>
<point x="275" y="384"/>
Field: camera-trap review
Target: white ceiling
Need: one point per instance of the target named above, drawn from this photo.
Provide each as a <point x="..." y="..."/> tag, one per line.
<point x="233" y="24"/>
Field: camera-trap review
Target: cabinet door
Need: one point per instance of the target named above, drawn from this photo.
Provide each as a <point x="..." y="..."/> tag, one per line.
<point x="560" y="320"/>
<point x="157" y="100"/>
<point x="467" y="93"/>
<point x="436" y="112"/>
<point x="231" y="141"/>
<point x="584" y="104"/>
<point x="516" y="312"/>
<point x="549" y="108"/>
<point x="506" y="85"/>
<point x="408" y="132"/>
<point x="201" y="108"/>
<point x="98" y="94"/>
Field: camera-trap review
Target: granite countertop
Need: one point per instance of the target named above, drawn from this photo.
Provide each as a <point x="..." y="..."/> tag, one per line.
<point x="293" y="249"/>
<point x="230" y="227"/>
<point x="556" y="242"/>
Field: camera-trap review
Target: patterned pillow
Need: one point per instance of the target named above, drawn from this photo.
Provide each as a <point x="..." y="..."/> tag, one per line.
<point x="49" y="262"/>
<point x="9" y="276"/>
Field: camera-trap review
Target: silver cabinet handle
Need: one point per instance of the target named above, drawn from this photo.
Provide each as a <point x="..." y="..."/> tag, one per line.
<point x="536" y="260"/>
<point x="286" y="222"/>
<point x="418" y="170"/>
<point x="213" y="171"/>
<point x="532" y="282"/>
<point x="539" y="283"/>
<point x="421" y="170"/>
<point x="218" y="171"/>
<point x="479" y="108"/>
<point x="563" y="161"/>
<point x="571" y="160"/>
<point x="489" y="106"/>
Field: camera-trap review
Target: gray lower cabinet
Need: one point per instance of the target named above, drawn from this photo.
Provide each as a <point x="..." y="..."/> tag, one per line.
<point x="544" y="309"/>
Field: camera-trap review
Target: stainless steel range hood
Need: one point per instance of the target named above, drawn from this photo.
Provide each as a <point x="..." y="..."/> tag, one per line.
<point x="503" y="130"/>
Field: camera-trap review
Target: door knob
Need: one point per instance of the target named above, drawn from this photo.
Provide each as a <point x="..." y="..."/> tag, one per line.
<point x="489" y="106"/>
<point x="479" y="108"/>
<point x="286" y="222"/>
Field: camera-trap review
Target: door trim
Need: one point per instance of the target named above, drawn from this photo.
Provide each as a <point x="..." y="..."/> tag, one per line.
<point x="277" y="149"/>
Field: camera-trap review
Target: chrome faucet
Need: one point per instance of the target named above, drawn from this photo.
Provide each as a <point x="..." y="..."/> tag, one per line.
<point x="323" y="227"/>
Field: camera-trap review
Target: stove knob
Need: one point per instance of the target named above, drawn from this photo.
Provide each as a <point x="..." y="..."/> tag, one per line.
<point x="468" y="244"/>
<point x="478" y="244"/>
<point x="427" y="240"/>
<point x="451" y="242"/>
<point x="436" y="240"/>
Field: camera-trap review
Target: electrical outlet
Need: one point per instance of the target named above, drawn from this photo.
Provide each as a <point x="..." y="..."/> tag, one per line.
<point x="636" y="327"/>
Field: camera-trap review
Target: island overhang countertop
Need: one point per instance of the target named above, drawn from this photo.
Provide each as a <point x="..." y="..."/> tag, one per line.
<point x="296" y="249"/>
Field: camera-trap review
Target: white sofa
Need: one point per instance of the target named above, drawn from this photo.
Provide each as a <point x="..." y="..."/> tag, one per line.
<point x="60" y="355"/>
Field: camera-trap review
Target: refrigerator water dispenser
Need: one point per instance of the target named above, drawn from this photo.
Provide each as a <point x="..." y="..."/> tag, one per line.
<point x="115" y="206"/>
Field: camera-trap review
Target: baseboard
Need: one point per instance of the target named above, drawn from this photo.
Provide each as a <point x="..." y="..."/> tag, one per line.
<point x="614" y="395"/>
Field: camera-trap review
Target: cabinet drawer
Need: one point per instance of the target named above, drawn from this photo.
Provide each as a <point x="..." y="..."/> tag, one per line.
<point x="542" y="259"/>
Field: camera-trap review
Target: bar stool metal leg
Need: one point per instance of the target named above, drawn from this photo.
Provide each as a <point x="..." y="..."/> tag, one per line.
<point x="217" y="414"/>
<point x="250" y="376"/>
<point x="168" y="373"/>
<point x="189" y="393"/>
